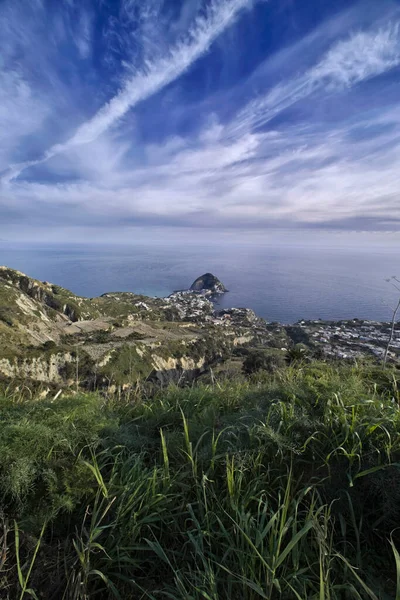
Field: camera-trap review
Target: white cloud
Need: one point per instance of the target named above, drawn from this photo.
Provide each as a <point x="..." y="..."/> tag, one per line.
<point x="22" y="113"/>
<point x="236" y="173"/>
<point x="295" y="176"/>
<point x="151" y="79"/>
<point x="361" y="56"/>
<point x="83" y="36"/>
<point x="158" y="75"/>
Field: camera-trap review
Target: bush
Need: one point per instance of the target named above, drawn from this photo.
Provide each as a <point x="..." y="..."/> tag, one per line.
<point x="5" y="315"/>
<point x="49" y="345"/>
<point x="39" y="445"/>
<point x="298" y="352"/>
<point x="257" y="360"/>
<point x="135" y="335"/>
<point x="100" y="337"/>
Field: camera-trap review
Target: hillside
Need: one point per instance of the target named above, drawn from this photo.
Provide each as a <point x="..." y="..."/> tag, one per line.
<point x="50" y="335"/>
<point x="52" y="339"/>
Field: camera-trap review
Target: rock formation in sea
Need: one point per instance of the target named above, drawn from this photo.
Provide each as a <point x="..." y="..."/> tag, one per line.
<point x="208" y="284"/>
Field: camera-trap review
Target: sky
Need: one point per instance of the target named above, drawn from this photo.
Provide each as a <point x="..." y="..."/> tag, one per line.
<point x="253" y="115"/>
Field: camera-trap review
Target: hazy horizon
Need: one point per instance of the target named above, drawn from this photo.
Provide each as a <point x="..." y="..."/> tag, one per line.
<point x="197" y="236"/>
<point x="282" y="278"/>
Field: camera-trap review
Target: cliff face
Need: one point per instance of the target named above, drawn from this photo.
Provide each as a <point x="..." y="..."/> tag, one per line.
<point x="44" y="369"/>
<point x="50" y="335"/>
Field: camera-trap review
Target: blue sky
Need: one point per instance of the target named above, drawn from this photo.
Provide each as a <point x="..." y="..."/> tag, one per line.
<point x="233" y="114"/>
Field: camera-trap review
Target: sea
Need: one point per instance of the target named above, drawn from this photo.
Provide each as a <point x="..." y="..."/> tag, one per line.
<point x="282" y="277"/>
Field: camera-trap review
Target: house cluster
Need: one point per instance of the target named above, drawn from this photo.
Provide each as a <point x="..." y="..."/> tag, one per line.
<point x="352" y="338"/>
<point x="191" y="306"/>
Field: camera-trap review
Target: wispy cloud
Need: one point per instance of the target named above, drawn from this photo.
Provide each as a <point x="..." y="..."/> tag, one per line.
<point x="362" y="56"/>
<point x="83" y="35"/>
<point x="295" y="176"/>
<point x="310" y="139"/>
<point x="152" y="78"/>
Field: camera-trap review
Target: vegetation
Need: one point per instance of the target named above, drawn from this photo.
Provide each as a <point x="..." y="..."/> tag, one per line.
<point x="283" y="485"/>
<point x="264" y="359"/>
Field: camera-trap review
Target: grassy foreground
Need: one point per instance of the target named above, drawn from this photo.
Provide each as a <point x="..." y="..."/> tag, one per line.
<point x="281" y="487"/>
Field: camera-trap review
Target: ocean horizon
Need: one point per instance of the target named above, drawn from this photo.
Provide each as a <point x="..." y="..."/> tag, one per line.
<point x="286" y="281"/>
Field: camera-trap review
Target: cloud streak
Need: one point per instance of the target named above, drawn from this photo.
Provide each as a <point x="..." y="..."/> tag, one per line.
<point x="360" y="57"/>
<point x="152" y="78"/>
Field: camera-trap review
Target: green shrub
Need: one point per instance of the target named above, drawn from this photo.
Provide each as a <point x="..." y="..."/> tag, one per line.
<point x="5" y="315"/>
<point x="49" y="345"/>
<point x="39" y="445"/>
<point x="257" y="360"/>
<point x="100" y="337"/>
<point x="297" y="352"/>
<point x="135" y="335"/>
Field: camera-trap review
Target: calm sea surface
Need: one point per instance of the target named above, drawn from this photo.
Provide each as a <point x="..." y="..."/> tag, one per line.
<point x="285" y="282"/>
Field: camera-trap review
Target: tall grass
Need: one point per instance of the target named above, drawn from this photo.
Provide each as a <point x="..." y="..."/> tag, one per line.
<point x="285" y="487"/>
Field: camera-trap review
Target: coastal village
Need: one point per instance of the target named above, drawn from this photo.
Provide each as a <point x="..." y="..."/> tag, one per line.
<point x="352" y="338"/>
<point x="345" y="339"/>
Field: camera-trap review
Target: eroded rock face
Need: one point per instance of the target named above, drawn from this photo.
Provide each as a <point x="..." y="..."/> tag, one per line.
<point x="44" y="369"/>
<point x="208" y="284"/>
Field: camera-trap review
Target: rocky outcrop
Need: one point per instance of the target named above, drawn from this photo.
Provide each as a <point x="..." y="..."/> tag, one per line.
<point x="46" y="369"/>
<point x="208" y="284"/>
<point x="43" y="292"/>
<point x="173" y="369"/>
